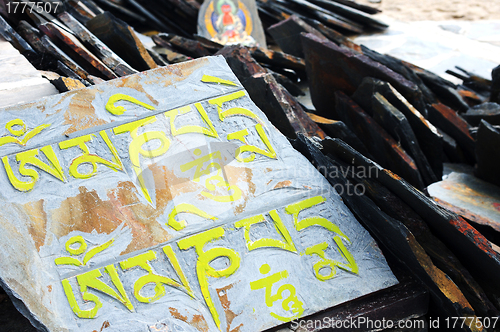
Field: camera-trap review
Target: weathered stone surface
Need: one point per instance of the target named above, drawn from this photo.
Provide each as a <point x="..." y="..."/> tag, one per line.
<point x="185" y="45"/>
<point x="231" y="22"/>
<point x="488" y="153"/>
<point x="158" y="59"/>
<point x="472" y="98"/>
<point x="63" y="84"/>
<point x="120" y="38"/>
<point x="487" y="227"/>
<point x="468" y="192"/>
<point x="427" y="135"/>
<point x="287" y="35"/>
<point x="32" y="36"/>
<point x="57" y="53"/>
<point x="472" y="81"/>
<point x="394" y="121"/>
<point x="381" y="145"/>
<point x="287" y="83"/>
<point x="444" y="89"/>
<point x="110" y="59"/>
<point x="441" y="256"/>
<point x="166" y="198"/>
<point x="64" y="70"/>
<point x="338" y="129"/>
<point x="207" y="43"/>
<point x="78" y="52"/>
<point x="472" y="249"/>
<point x="448" y="120"/>
<point x="490" y="112"/>
<point x="399" y="67"/>
<point x="330" y="68"/>
<point x="446" y="296"/>
<point x="167" y="50"/>
<point x="280" y="107"/>
<point x="453" y="152"/>
<point x="279" y="59"/>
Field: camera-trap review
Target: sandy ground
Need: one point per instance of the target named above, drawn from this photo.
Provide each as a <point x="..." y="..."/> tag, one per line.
<point x="438" y="10"/>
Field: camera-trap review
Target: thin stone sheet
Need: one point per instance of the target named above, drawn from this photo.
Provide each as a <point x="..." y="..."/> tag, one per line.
<point x="166" y="200"/>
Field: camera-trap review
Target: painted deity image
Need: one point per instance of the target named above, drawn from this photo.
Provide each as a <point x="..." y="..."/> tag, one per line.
<point x="229" y="22"/>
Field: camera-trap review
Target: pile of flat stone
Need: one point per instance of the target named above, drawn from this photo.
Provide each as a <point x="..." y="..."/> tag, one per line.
<point x="180" y="182"/>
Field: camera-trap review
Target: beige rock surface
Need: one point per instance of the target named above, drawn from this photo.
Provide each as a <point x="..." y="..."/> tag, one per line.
<point x="438" y="10"/>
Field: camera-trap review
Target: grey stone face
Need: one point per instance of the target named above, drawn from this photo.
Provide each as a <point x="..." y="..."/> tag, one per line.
<point x="166" y="200"/>
<point x="230" y="22"/>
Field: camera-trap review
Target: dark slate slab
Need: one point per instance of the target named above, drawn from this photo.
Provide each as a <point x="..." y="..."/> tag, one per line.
<point x="113" y="61"/>
<point x="287" y="34"/>
<point x="446" y="296"/>
<point x="279" y="105"/>
<point x="488" y="153"/>
<point x="120" y="38"/>
<point x="381" y="145"/>
<point x="471" y="248"/>
<point x="429" y="139"/>
<point x="490" y="112"/>
<point x="331" y="68"/>
<point x="395" y="122"/>
<point x="450" y="122"/>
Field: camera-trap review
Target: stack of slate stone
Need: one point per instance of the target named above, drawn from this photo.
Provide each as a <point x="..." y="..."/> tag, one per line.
<point x="372" y="111"/>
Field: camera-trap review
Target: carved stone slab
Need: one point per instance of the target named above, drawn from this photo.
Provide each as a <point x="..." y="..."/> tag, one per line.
<point x="166" y="200"/>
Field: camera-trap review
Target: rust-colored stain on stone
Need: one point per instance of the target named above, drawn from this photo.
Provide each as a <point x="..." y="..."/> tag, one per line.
<point x="197" y="321"/>
<point x="446" y="286"/>
<point x="237" y="175"/>
<point x="452" y="116"/>
<point x="134" y="82"/>
<point x="479" y="240"/>
<point x="176" y="314"/>
<point x="230" y="315"/>
<point x="320" y="119"/>
<point x="38" y="222"/>
<point x="86" y="212"/>
<point x="462" y="190"/>
<point x="496" y="206"/>
<point x="283" y="184"/>
<point x="105" y="325"/>
<point x="393" y="175"/>
<point x="80" y="114"/>
<point x="72" y="84"/>
<point x="200" y="323"/>
<point x="184" y="69"/>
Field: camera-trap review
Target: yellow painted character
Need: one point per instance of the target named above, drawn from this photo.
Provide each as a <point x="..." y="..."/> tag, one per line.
<point x="290" y="303"/>
<point x="136" y="147"/>
<point x="203" y="268"/>
<point x="30" y="157"/>
<point x="213" y="182"/>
